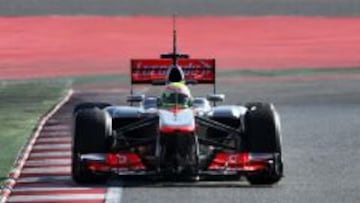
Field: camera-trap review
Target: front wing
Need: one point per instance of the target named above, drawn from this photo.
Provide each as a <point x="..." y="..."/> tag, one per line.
<point x="222" y="164"/>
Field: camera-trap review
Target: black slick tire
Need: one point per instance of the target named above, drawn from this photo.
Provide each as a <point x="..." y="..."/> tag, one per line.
<point x="90" y="105"/>
<point x="92" y="127"/>
<point x="263" y="135"/>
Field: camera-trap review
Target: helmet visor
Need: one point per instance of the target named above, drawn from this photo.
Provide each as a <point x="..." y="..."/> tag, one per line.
<point x="175" y="99"/>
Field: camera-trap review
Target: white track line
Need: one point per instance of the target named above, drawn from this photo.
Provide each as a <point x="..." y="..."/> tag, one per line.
<point x="41" y="179"/>
<point x="24" y="155"/>
<point x="51" y="146"/>
<point x="49" y="154"/>
<point x="38" y="189"/>
<point x="47" y="162"/>
<point x="113" y="195"/>
<point x="58" y="197"/>
<point x="54" y="139"/>
<point x="55" y="133"/>
<point x="57" y="128"/>
<point x="46" y="170"/>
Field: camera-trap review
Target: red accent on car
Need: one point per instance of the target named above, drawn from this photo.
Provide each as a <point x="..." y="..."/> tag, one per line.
<point x="122" y="161"/>
<point x="125" y="160"/>
<point x="236" y="161"/>
<point x="177" y="129"/>
<point x="97" y="166"/>
<point x="175" y="109"/>
<point x="145" y="71"/>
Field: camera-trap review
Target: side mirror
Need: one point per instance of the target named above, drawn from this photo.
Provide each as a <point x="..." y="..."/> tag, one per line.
<point x="135" y="98"/>
<point x="216" y="97"/>
<point x="151" y="102"/>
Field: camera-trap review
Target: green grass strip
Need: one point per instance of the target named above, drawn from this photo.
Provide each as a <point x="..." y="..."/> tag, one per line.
<point x="22" y="103"/>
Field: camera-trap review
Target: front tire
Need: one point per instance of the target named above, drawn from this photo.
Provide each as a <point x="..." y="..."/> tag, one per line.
<point x="92" y="127"/>
<point x="263" y="135"/>
<point x="89" y="105"/>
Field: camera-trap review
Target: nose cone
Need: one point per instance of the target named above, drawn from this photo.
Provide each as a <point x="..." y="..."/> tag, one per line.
<point x="182" y="121"/>
<point x="175" y="74"/>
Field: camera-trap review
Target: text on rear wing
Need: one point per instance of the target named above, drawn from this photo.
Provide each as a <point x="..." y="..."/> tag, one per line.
<point x="146" y="71"/>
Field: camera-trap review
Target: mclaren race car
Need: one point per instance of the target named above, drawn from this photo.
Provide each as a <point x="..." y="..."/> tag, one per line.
<point x="175" y="135"/>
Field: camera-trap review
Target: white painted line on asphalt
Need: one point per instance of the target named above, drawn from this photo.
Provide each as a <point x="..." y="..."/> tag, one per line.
<point x="46" y="170"/>
<point x="49" y="154"/>
<point x="40" y="179"/>
<point x="58" y="197"/>
<point x="55" y="133"/>
<point x="47" y="162"/>
<point x="57" y="128"/>
<point x="54" y="121"/>
<point x="24" y="154"/>
<point x="52" y="146"/>
<point x="113" y="195"/>
<point x="37" y="189"/>
<point x="54" y="139"/>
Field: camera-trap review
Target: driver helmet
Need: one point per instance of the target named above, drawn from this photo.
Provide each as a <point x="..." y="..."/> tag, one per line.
<point x="176" y="94"/>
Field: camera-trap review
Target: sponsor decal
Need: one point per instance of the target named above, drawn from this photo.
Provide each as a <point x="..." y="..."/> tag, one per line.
<point x="148" y="70"/>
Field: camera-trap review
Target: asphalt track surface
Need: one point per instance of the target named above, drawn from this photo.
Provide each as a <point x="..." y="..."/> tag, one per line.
<point x="185" y="7"/>
<point x="320" y="121"/>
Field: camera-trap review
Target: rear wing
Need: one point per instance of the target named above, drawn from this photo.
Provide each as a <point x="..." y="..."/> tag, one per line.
<point x="149" y="71"/>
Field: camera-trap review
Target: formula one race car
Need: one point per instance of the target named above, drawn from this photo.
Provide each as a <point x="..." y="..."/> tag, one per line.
<point x="175" y="135"/>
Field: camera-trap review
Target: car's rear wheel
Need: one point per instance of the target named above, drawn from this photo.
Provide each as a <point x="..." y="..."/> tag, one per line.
<point x="263" y="135"/>
<point x="92" y="127"/>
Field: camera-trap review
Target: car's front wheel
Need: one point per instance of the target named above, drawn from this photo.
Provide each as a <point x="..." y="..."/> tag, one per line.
<point x="263" y="135"/>
<point x="92" y="127"/>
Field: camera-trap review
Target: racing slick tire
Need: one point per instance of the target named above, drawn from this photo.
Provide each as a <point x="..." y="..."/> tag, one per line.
<point x="90" y="105"/>
<point x="92" y="127"/>
<point x="263" y="135"/>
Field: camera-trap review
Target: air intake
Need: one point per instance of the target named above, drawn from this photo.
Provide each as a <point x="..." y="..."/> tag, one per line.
<point x="175" y="74"/>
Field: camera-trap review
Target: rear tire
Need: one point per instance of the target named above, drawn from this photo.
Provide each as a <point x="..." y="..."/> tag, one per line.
<point x="263" y="135"/>
<point x="92" y="127"/>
